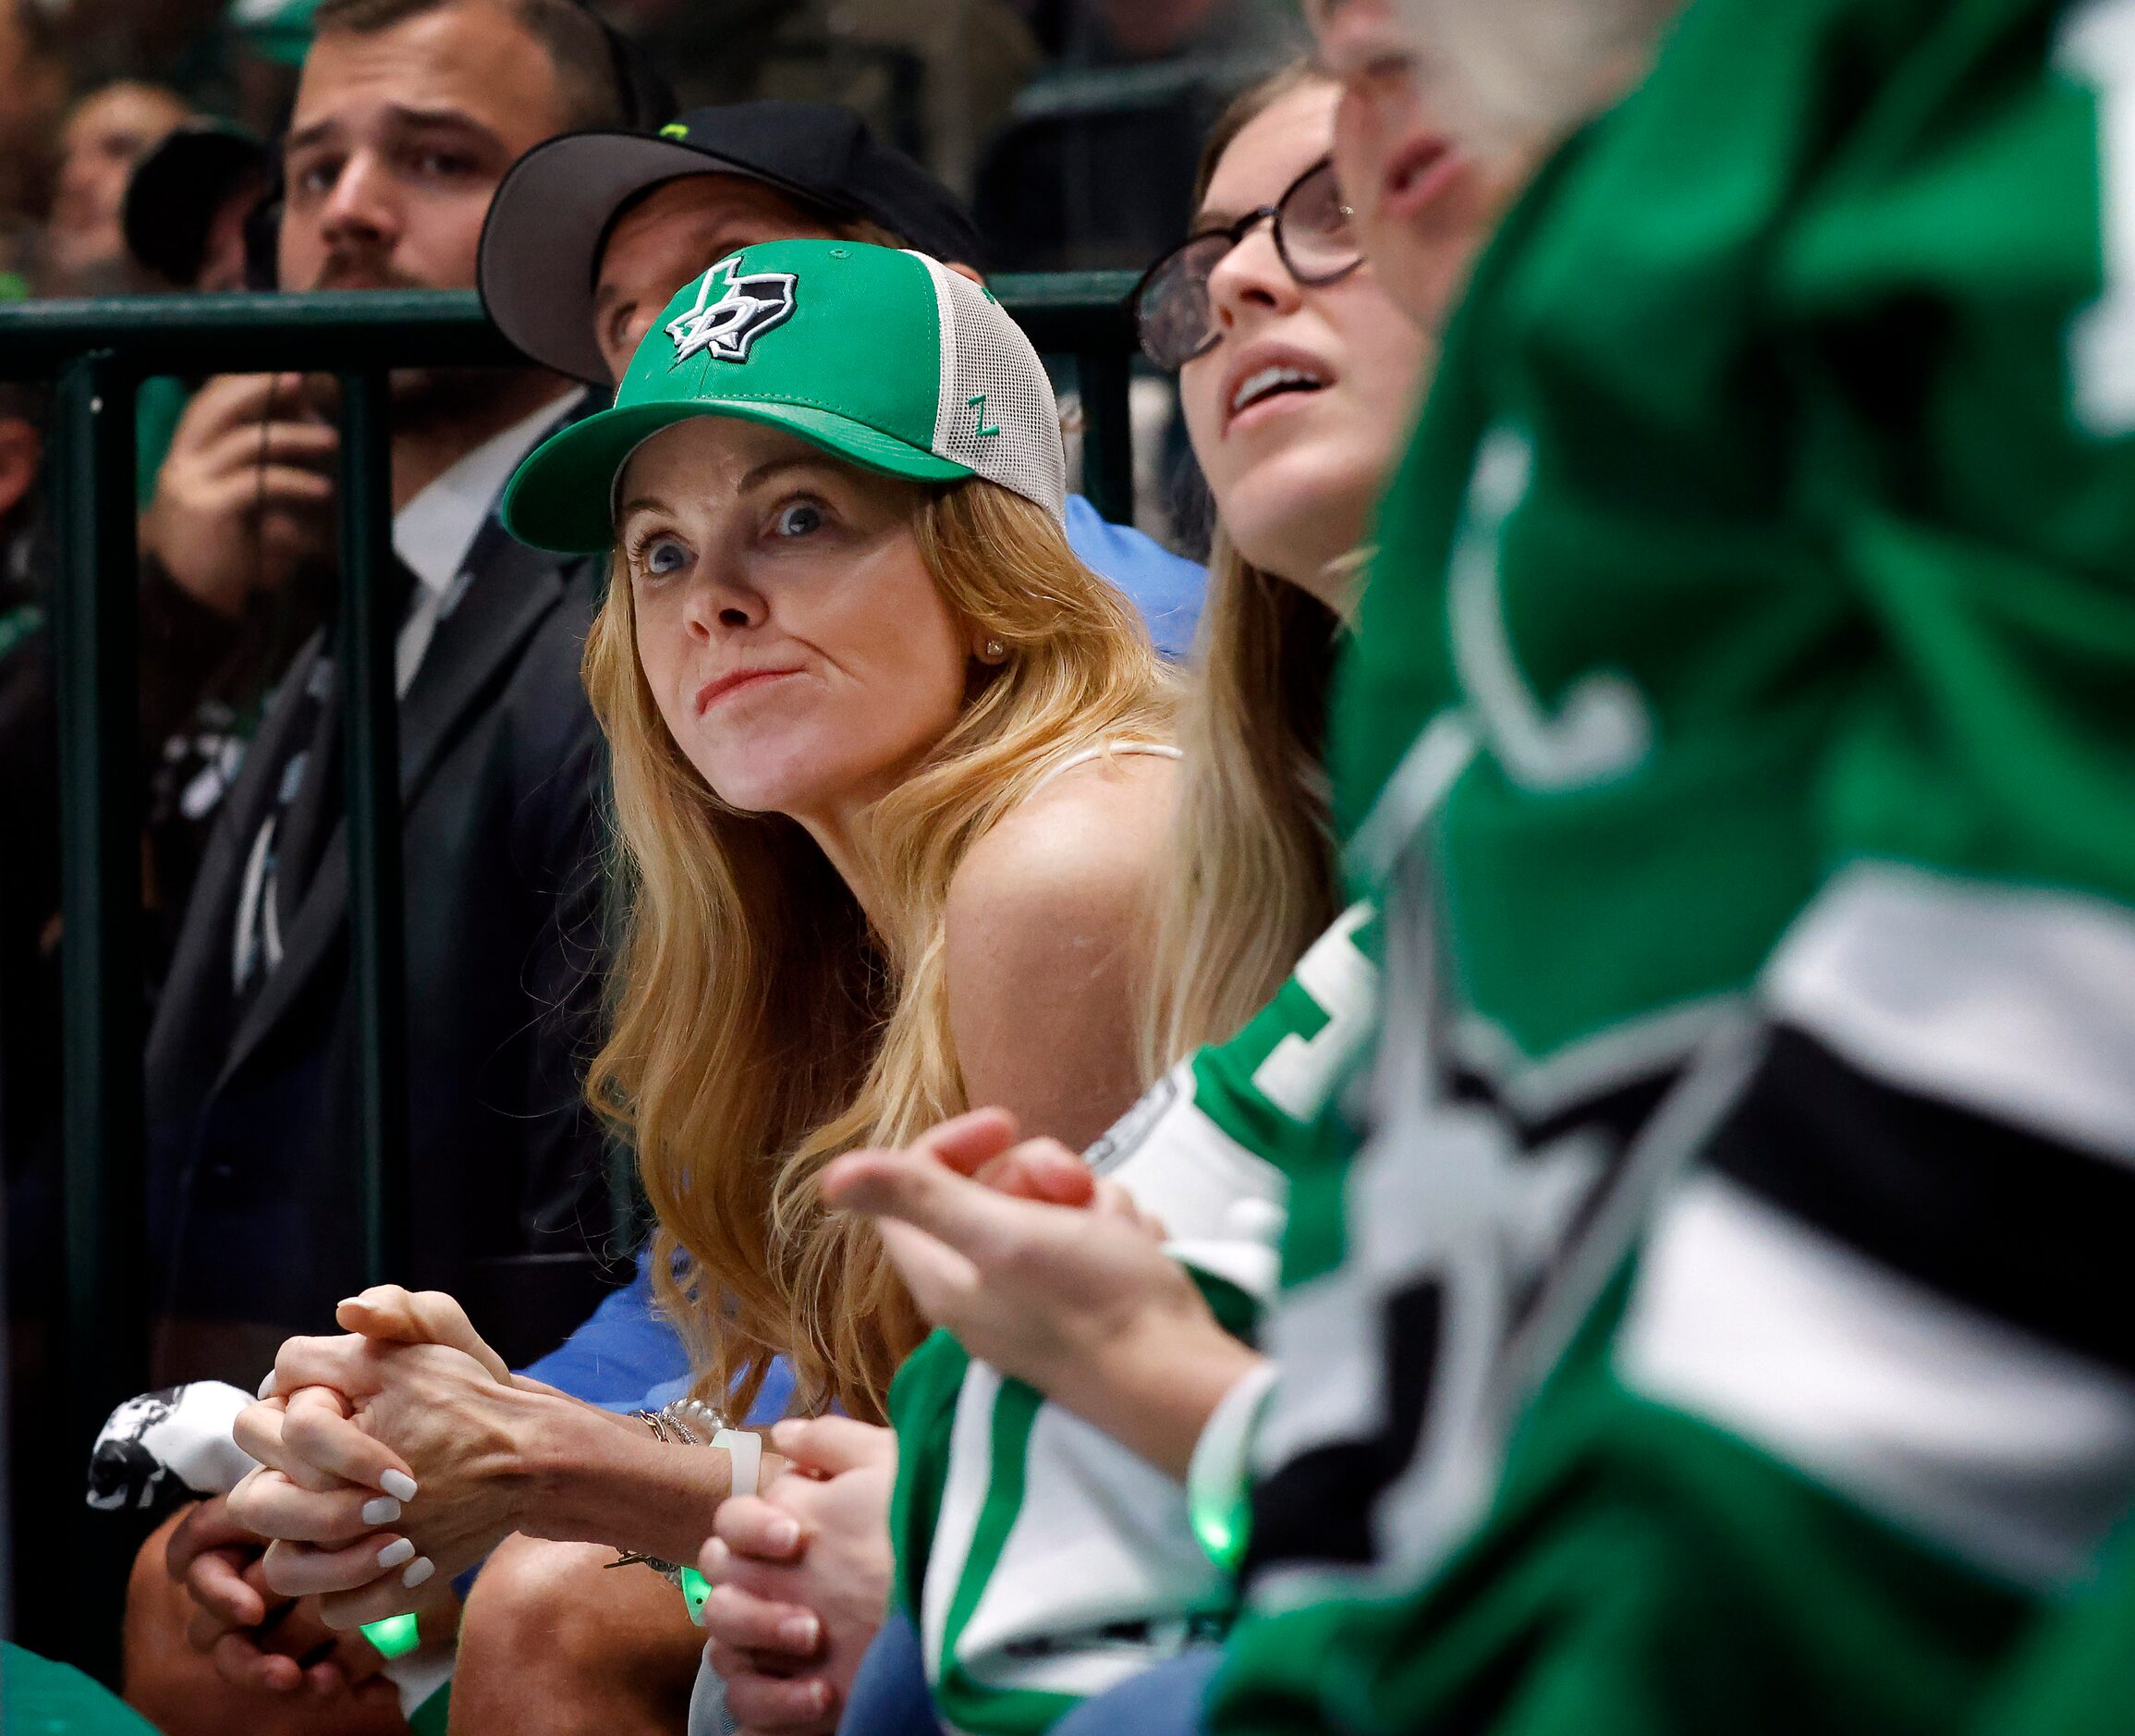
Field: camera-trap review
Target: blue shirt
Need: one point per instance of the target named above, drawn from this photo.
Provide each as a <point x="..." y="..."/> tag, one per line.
<point x="1166" y="587"/>
<point x="627" y="1357"/>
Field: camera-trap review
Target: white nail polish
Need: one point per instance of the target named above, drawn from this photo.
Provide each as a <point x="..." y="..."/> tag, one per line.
<point x="419" y="1570"/>
<point x="381" y="1510"/>
<point x="395" y="1552"/>
<point x="267" y="1386"/>
<point x="398" y="1484"/>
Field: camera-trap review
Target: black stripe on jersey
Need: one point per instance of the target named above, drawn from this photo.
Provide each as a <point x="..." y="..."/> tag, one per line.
<point x="1609" y="1122"/>
<point x="1318" y="1505"/>
<point x="1317" y="1508"/>
<point x="2005" y="1222"/>
<point x="1615" y="1113"/>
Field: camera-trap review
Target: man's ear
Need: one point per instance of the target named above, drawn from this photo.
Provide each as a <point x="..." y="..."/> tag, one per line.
<point x="962" y="270"/>
<point x="22" y="448"/>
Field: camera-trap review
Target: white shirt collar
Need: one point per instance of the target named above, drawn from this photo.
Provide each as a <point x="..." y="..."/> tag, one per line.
<point x="435" y="531"/>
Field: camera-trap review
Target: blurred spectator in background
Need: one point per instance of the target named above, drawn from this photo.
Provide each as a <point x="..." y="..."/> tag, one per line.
<point x="1095" y="166"/>
<point x="107" y="133"/>
<point x="187" y="207"/>
<point x="32" y="94"/>
<point x="1149" y="30"/>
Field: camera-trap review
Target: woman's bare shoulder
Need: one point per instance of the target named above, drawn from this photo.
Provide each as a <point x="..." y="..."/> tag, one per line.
<point x="1046" y="919"/>
<point x="1094" y="832"/>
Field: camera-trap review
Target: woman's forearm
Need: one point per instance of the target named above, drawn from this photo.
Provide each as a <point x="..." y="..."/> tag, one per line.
<point x="1155" y="1390"/>
<point x="591" y="1476"/>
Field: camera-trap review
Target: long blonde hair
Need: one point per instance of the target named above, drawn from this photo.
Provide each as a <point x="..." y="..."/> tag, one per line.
<point x="1254" y="880"/>
<point x="760" y="1025"/>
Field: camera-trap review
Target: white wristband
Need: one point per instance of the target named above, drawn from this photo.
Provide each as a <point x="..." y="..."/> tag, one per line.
<point x="746" y="1451"/>
<point x="1215" y="1477"/>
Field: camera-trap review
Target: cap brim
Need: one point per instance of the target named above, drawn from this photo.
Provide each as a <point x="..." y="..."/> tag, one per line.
<point x="562" y="498"/>
<point x="541" y="240"/>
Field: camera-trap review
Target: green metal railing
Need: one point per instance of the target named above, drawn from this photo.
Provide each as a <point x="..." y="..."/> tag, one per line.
<point x="97" y="353"/>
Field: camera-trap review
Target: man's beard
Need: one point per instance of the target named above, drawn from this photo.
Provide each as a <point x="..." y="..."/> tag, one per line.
<point x="1513" y="73"/>
<point x="421" y="397"/>
<point x="424" y="397"/>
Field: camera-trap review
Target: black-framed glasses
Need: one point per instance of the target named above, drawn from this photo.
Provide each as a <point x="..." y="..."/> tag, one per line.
<point x="1311" y="231"/>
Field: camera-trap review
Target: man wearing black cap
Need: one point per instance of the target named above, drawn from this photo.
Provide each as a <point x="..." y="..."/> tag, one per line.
<point x="590" y="234"/>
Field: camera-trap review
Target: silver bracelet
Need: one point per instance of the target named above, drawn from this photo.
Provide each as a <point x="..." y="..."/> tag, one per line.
<point x="671" y="1424"/>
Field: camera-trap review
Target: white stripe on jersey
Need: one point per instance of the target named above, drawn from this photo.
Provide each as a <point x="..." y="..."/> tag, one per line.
<point x="1100" y="1538"/>
<point x="970" y="1473"/>
<point x="1211" y="1195"/>
<point x="2014" y="1002"/>
<point x="1953" y="1426"/>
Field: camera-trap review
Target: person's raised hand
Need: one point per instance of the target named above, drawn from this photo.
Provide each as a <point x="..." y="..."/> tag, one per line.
<point x="1024" y="1283"/>
<point x="246" y="490"/>
<point x="982" y="1143"/>
<point x="801" y="1577"/>
<point x="1083" y="1304"/>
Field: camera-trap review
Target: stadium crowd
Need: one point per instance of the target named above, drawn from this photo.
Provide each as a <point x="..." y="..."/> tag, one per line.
<point x="1504" y="1103"/>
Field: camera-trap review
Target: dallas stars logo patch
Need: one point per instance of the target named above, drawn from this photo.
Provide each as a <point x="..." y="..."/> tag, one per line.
<point x="748" y="305"/>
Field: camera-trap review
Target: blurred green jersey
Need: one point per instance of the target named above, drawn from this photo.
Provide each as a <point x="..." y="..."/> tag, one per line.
<point x="1727" y="1322"/>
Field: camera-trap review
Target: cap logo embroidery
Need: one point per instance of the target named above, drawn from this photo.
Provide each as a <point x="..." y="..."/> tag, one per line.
<point x="748" y="305"/>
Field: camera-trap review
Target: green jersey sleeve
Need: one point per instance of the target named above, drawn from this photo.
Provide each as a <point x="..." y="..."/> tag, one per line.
<point x="1042" y="1561"/>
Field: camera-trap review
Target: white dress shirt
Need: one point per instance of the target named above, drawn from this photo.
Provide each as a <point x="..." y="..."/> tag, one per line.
<point x="434" y="533"/>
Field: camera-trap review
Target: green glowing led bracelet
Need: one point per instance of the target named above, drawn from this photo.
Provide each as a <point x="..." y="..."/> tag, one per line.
<point x="395" y="1636"/>
<point x="696" y="1591"/>
<point x="1216" y="1500"/>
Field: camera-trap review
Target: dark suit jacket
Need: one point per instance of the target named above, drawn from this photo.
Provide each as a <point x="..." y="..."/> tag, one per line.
<point x="253" y="1200"/>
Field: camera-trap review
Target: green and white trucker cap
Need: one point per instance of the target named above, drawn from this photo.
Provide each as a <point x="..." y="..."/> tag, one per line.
<point x="886" y="358"/>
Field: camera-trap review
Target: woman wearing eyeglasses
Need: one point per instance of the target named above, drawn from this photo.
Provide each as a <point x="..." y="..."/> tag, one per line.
<point x="1298" y="377"/>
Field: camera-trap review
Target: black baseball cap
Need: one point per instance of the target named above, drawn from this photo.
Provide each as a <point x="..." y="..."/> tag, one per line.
<point x="176" y="189"/>
<point x="541" y="245"/>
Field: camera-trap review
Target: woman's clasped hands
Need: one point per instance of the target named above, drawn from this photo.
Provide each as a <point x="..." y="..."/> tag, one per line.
<point x="387" y="1457"/>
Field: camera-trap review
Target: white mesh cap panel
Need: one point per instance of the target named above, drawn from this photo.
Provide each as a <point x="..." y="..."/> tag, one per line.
<point x="992" y="380"/>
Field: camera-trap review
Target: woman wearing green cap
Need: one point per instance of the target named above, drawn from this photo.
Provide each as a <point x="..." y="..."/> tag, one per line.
<point x="845" y="639"/>
<point x="890" y="781"/>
